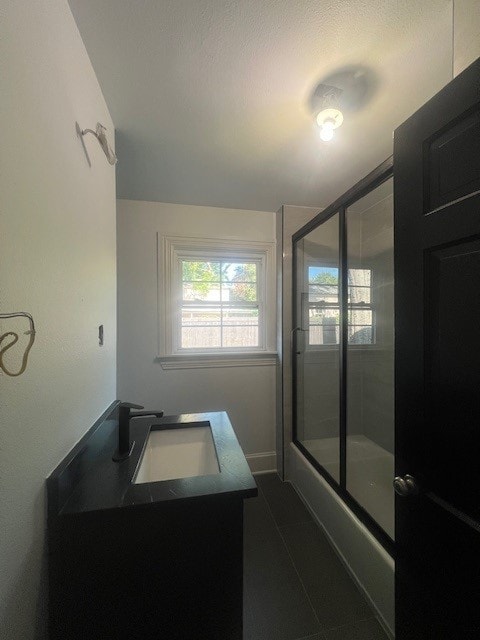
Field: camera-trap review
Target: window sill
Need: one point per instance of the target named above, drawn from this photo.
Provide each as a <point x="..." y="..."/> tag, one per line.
<point x="206" y="361"/>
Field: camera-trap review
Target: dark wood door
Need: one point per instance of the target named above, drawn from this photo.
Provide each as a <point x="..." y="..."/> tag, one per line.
<point x="437" y="328"/>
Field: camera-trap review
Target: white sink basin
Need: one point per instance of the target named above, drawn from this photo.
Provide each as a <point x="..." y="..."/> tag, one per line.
<point x="178" y="453"/>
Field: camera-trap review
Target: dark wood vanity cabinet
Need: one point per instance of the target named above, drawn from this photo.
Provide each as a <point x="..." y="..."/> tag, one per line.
<point x="152" y="560"/>
<point x="172" y="571"/>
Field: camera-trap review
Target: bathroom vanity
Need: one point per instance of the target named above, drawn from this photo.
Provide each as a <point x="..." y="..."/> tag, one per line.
<point x="132" y="555"/>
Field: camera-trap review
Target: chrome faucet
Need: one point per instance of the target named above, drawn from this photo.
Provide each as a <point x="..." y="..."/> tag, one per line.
<point x="125" y="447"/>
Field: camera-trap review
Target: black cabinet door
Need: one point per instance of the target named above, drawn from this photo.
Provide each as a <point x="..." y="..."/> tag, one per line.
<point x="437" y="328"/>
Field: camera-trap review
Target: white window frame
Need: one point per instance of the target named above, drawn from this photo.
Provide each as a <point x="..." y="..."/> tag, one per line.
<point x="174" y="249"/>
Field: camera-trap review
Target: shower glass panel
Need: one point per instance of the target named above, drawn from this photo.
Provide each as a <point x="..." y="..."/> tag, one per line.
<point x="317" y="344"/>
<point x="369" y="361"/>
<point x="343" y="384"/>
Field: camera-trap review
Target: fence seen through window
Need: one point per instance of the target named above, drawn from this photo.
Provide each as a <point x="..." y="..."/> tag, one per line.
<point x="219" y="304"/>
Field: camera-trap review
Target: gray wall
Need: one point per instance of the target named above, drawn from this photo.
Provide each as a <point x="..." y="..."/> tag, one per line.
<point x="370" y="372"/>
<point x="466" y="41"/>
<point x="247" y="392"/>
<point x="378" y="363"/>
<point x="57" y="261"/>
<point x="289" y="219"/>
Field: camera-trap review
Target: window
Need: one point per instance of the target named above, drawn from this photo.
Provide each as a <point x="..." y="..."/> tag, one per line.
<point x="219" y="305"/>
<point x="323" y="309"/>
<point x="218" y="296"/>
<point x="360" y="311"/>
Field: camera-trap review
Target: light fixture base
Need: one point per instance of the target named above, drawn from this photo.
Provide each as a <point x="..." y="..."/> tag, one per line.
<point x="334" y="118"/>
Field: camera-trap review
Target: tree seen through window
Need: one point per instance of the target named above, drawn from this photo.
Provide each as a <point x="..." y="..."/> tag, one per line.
<point x="220" y="305"/>
<point x="324" y="311"/>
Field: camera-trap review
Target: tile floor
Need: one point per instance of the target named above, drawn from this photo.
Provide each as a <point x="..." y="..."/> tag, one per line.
<point x="295" y="587"/>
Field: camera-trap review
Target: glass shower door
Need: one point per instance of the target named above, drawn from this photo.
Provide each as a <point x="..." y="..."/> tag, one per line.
<point x="343" y="387"/>
<point x="369" y="354"/>
<point x="317" y="345"/>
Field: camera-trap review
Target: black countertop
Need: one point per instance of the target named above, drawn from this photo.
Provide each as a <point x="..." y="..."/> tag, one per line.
<point x="88" y="480"/>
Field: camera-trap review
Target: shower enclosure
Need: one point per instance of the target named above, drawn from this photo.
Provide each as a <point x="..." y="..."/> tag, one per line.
<point x="343" y="387"/>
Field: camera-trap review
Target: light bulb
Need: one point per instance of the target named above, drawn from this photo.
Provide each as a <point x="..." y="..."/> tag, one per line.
<point x="328" y="120"/>
<point x="326" y="131"/>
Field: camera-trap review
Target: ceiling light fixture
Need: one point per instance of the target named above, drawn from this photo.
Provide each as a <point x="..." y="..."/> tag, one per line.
<point x="342" y="93"/>
<point x="328" y="120"/>
<point x="329" y="117"/>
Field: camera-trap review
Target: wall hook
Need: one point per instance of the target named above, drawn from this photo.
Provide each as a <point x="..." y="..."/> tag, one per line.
<point x="14" y="340"/>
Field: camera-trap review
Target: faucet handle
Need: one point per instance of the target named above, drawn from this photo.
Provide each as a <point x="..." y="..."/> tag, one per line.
<point x="129" y="405"/>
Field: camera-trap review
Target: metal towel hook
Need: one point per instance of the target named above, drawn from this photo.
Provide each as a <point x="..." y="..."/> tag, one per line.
<point x="100" y="134"/>
<point x="14" y="340"/>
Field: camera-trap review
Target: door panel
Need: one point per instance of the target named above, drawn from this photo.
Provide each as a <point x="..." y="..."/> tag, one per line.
<point x="437" y="364"/>
<point x="453" y="162"/>
<point x="452" y="371"/>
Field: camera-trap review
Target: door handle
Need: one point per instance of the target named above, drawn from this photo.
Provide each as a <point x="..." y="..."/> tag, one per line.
<point x="293" y="335"/>
<point x="406" y="486"/>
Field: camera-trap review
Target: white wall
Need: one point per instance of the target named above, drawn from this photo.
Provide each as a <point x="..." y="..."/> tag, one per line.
<point x="247" y="393"/>
<point x="57" y="261"/>
<point x="288" y="220"/>
<point x="466" y="42"/>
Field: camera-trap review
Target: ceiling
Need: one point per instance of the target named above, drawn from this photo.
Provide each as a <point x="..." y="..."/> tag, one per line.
<point x="210" y="98"/>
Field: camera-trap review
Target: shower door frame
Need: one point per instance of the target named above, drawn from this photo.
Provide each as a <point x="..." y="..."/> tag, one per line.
<point x="373" y="180"/>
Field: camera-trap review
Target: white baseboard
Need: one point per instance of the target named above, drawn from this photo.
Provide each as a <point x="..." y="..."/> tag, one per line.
<point x="264" y="462"/>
